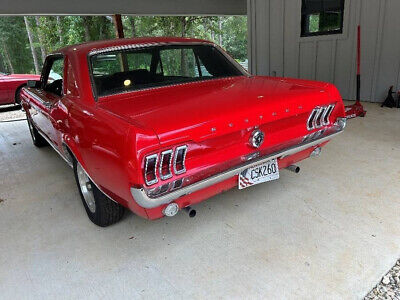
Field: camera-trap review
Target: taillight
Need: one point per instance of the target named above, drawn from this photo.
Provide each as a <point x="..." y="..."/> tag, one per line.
<point x="150" y="173"/>
<point x="165" y="165"/>
<point x="325" y="119"/>
<point x="179" y="160"/>
<point x="311" y="118"/>
<point x="319" y="117"/>
<point x="161" y="167"/>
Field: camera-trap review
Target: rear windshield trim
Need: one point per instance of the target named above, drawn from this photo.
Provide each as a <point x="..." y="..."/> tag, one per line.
<point x="148" y="45"/>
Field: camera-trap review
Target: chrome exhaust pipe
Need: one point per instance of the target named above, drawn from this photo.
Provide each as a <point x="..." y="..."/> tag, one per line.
<point x="293" y="168"/>
<point x="190" y="211"/>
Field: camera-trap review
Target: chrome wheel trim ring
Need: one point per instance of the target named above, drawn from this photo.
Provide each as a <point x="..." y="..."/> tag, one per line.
<point x="86" y="187"/>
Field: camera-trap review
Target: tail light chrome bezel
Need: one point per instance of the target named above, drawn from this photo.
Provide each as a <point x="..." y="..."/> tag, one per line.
<point x="177" y="150"/>
<point x="327" y="114"/>
<point x="154" y="171"/>
<point x="163" y="155"/>
<point x="173" y="160"/>
<point x="311" y="118"/>
<point x="319" y="117"/>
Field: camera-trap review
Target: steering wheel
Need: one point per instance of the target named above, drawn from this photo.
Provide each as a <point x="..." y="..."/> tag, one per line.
<point x="55" y="87"/>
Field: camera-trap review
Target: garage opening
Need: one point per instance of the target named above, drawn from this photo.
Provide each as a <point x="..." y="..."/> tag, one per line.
<point x="25" y="41"/>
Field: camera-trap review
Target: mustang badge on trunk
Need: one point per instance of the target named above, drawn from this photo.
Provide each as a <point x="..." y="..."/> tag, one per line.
<point x="257" y="138"/>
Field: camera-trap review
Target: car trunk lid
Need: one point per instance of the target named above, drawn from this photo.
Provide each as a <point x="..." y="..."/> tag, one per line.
<point x="209" y="109"/>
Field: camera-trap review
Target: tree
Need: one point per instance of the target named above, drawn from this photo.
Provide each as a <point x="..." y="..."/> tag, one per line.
<point x="86" y="26"/>
<point x="7" y="58"/>
<point x="133" y="26"/>
<point x="30" y="37"/>
<point x="60" y="29"/>
<point x="40" y="37"/>
<point x="50" y="33"/>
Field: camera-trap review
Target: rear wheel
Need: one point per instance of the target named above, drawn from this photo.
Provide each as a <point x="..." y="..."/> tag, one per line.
<point x="37" y="139"/>
<point x="100" y="209"/>
<point x="18" y="95"/>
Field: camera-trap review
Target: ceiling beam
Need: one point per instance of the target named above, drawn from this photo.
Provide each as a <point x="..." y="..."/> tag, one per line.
<point x="125" y="7"/>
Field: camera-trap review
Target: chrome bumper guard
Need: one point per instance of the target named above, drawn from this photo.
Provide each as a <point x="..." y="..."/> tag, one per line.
<point x="316" y="138"/>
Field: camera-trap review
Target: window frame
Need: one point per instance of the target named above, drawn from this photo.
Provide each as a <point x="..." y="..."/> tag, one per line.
<point x="44" y="76"/>
<point x="303" y="23"/>
<point x="149" y="45"/>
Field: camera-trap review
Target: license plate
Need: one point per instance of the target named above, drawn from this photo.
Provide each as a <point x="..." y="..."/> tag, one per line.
<point x="258" y="174"/>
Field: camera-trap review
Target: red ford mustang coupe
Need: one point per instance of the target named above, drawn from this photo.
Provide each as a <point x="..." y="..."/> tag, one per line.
<point x="10" y="86"/>
<point x="158" y="124"/>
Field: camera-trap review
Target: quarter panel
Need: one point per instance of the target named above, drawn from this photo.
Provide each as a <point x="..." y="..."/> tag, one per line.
<point x="101" y="140"/>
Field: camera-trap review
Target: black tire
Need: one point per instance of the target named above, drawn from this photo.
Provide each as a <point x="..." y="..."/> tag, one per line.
<point x="102" y="211"/>
<point x="18" y="95"/>
<point x="37" y="139"/>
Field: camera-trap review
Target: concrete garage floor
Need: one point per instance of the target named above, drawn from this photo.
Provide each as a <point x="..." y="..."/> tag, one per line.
<point x="331" y="231"/>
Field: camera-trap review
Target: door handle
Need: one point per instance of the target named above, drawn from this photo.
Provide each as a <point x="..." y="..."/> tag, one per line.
<point x="47" y="104"/>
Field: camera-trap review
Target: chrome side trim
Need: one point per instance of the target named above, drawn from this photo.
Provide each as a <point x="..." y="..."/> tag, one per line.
<point x="33" y="95"/>
<point x="140" y="196"/>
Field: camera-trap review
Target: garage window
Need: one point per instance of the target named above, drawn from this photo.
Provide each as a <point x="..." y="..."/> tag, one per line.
<point x="321" y="17"/>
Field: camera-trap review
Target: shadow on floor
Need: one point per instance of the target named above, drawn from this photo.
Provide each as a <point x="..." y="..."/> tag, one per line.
<point x="7" y="108"/>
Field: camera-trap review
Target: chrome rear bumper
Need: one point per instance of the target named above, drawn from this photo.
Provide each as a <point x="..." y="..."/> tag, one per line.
<point x="140" y="196"/>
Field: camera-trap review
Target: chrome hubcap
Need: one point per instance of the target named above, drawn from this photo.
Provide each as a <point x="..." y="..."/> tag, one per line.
<point x="86" y="188"/>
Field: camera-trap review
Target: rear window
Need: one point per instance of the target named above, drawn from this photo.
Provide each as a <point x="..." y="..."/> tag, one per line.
<point x="128" y="70"/>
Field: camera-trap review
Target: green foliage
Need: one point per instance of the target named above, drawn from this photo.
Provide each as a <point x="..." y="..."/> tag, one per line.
<point x="57" y="32"/>
<point x="314" y="23"/>
<point x="14" y="41"/>
<point x="323" y="22"/>
<point x="234" y="37"/>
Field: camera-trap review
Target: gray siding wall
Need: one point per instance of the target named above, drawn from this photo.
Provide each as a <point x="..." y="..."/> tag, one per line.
<point x="276" y="48"/>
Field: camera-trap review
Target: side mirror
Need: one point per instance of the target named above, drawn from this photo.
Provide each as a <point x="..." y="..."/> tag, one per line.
<point x="33" y="83"/>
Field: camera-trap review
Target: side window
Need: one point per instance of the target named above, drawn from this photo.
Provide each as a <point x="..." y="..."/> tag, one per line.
<point x="321" y="17"/>
<point x="179" y="63"/>
<point x="203" y="69"/>
<point x="54" y="83"/>
<point x="106" y="64"/>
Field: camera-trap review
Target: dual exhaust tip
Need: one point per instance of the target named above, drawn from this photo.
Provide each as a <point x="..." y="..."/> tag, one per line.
<point x="293" y="168"/>
<point x="173" y="208"/>
<point x="296" y="169"/>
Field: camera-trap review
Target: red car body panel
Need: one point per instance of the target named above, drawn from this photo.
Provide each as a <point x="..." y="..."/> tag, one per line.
<point x="9" y="85"/>
<point x="112" y="136"/>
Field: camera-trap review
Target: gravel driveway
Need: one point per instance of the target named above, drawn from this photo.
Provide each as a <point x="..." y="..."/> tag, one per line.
<point x="11" y="112"/>
<point x="389" y="286"/>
